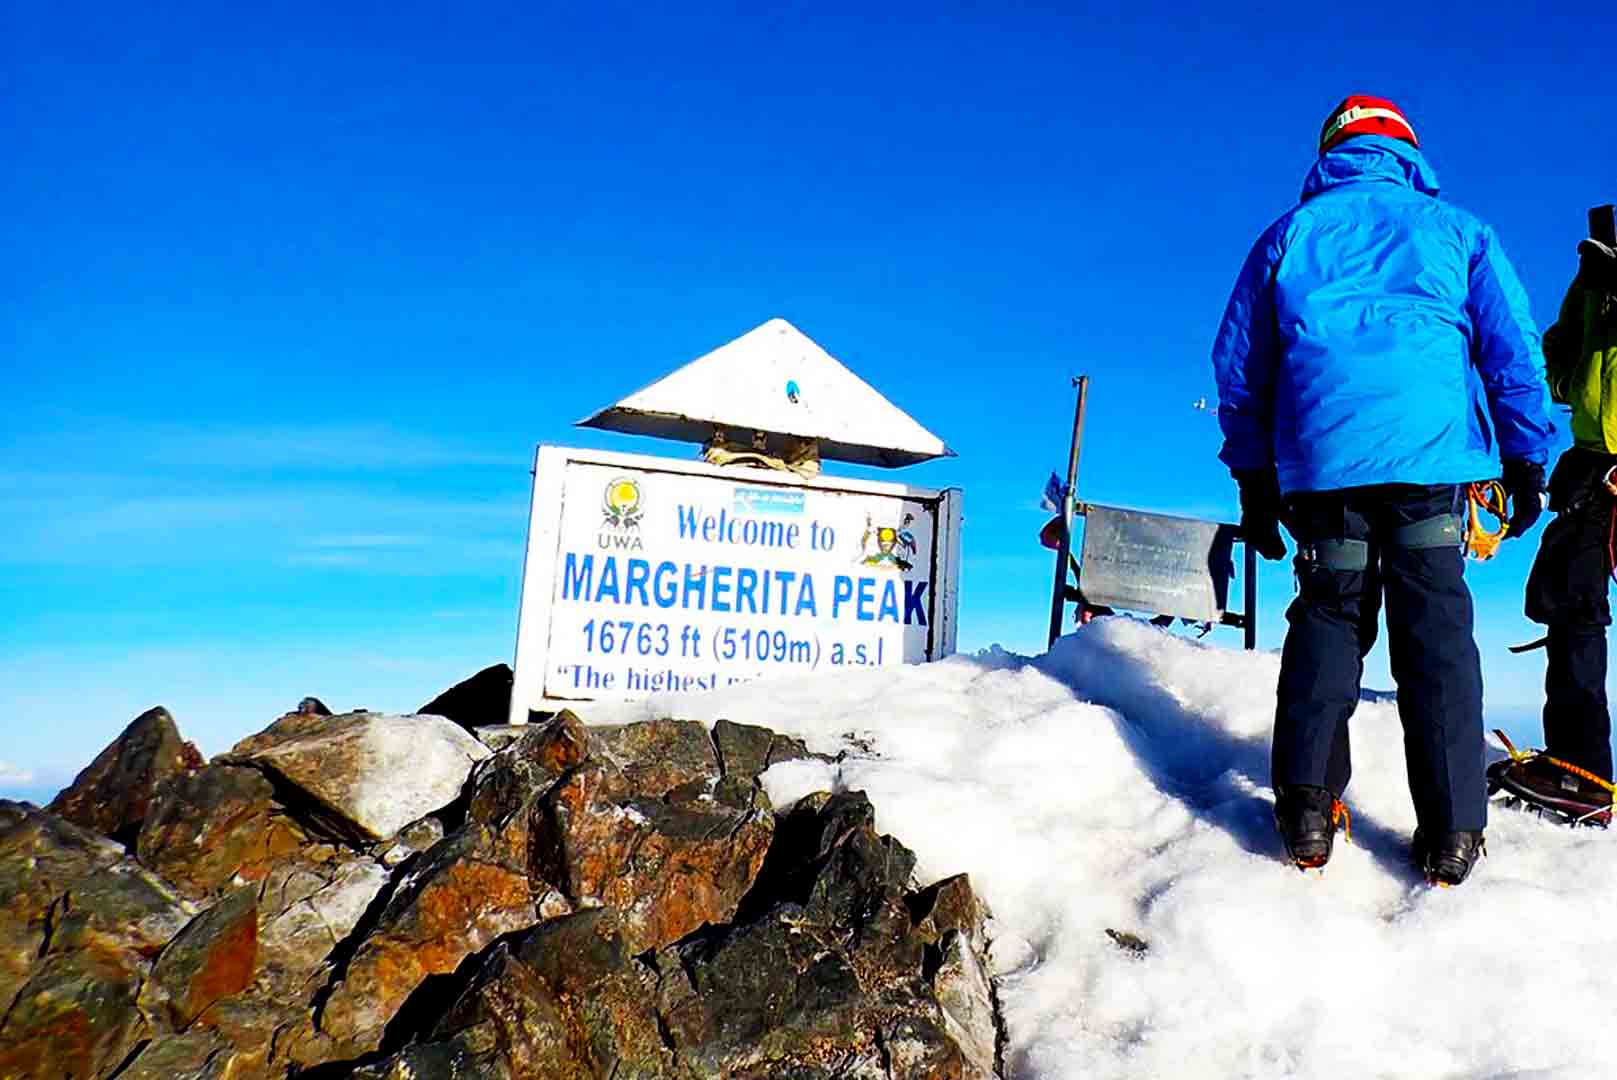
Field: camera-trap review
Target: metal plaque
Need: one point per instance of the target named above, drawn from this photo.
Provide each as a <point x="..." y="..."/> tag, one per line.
<point x="1157" y="564"/>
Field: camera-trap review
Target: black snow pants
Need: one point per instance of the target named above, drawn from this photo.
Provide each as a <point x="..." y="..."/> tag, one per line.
<point x="1566" y="591"/>
<point x="1356" y="547"/>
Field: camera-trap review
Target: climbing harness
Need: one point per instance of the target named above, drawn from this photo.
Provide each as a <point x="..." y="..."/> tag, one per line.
<point x="1487" y="496"/>
<point x="1611" y="542"/>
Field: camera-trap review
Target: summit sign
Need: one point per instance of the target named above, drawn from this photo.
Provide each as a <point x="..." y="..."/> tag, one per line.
<point x="646" y="575"/>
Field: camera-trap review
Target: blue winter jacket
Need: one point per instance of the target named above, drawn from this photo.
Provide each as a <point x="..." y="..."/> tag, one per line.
<point x="1377" y="335"/>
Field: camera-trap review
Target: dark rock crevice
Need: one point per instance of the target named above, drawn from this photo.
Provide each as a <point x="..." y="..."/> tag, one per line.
<point x="303" y="809"/>
<point x="344" y="951"/>
<point x="123" y="1066"/>
<point x="932" y="958"/>
<point x="53" y="916"/>
<point x="5" y="1014"/>
<point x="431" y="1003"/>
<point x="1002" y="1034"/>
<point x="884" y="1055"/>
<point x="665" y="1033"/>
<point x="718" y="751"/>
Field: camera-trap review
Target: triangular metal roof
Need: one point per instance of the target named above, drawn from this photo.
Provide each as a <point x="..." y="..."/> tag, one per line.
<point x="775" y="379"/>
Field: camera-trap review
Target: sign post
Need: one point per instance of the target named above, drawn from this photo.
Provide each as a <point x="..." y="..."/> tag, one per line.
<point x="1058" y="598"/>
<point x="1170" y="567"/>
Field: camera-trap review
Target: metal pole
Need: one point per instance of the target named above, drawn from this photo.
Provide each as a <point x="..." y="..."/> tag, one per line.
<point x="1058" y="599"/>
<point x="1250" y="587"/>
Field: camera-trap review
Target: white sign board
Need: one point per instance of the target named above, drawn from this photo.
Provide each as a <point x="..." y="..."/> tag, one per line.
<point x="646" y="574"/>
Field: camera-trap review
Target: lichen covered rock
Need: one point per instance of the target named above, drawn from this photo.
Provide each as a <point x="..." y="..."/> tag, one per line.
<point x="114" y="792"/>
<point x="79" y="927"/>
<point x="372" y="772"/>
<point x="217" y="828"/>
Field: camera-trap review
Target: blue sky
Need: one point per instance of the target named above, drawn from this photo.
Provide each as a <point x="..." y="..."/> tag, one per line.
<point x="291" y="295"/>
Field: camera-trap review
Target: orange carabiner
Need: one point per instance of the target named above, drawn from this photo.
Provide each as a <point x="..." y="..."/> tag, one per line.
<point x="1481" y="542"/>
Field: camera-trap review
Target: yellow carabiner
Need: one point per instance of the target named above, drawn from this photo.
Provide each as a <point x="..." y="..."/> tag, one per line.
<point x="1480" y="542"/>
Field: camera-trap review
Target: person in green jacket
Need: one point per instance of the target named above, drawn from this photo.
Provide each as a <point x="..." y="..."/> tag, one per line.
<point x="1566" y="590"/>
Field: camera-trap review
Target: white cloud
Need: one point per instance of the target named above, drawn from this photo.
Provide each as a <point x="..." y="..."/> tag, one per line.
<point x="15" y="774"/>
<point x="98" y="527"/>
<point x="295" y="446"/>
<point x="283" y="446"/>
<point x="366" y="540"/>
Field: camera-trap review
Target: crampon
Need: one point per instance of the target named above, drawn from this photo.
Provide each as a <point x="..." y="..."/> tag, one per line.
<point x="1559" y="790"/>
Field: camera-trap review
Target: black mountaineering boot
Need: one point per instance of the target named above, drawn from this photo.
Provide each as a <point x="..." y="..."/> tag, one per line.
<point x="1447" y="858"/>
<point x="1306" y="817"/>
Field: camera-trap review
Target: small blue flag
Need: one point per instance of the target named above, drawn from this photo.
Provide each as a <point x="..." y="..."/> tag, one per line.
<point x="1055" y="494"/>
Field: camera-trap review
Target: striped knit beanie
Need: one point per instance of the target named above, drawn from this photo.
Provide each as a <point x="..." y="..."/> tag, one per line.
<point x="1362" y="114"/>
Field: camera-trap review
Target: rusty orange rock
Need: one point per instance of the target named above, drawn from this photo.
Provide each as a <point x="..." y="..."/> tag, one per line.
<point x="113" y="793"/>
<point x="670" y="867"/>
<point x="208" y="828"/>
<point x="79" y="925"/>
<point x="466" y="893"/>
<point x="657" y="756"/>
<point x="75" y="1017"/>
<point x="565" y="999"/>
<point x="560" y="745"/>
<point x="526" y="769"/>
<point x="213" y="957"/>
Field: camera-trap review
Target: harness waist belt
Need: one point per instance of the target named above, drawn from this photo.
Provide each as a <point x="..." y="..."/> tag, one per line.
<point x="1351" y="555"/>
<point x="1441" y="530"/>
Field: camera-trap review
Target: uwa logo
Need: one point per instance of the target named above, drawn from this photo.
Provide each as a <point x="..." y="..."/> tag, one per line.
<point x="622" y="506"/>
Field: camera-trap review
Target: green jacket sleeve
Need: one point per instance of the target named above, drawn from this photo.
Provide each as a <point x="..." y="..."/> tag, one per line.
<point x="1563" y="346"/>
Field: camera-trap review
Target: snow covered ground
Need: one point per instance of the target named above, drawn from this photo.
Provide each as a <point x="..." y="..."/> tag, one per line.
<point x="1120" y="782"/>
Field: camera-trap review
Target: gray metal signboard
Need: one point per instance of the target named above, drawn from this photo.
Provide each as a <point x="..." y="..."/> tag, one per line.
<point x="1157" y="563"/>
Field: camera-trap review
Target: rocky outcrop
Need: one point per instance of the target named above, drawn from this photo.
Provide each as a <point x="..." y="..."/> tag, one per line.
<point x="745" y="751"/>
<point x="372" y="773"/>
<point x="213" y="957"/>
<point x="309" y="909"/>
<point x="195" y="1055"/>
<point x="670" y="862"/>
<point x="657" y="756"/>
<point x="833" y="967"/>
<point x="112" y="795"/>
<point x="469" y="889"/>
<point x="526" y="768"/>
<point x="213" y="829"/>
<point x="380" y="896"/>
<point x="566" y="999"/>
<point x="80" y="925"/>
<point x="484" y="700"/>
<point x="837" y="967"/>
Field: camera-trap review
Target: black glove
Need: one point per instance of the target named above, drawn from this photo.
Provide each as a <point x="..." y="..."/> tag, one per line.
<point x="1260" y="512"/>
<point x="1524" y="483"/>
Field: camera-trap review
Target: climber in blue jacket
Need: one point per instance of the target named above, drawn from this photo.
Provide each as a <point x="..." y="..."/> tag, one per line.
<point x="1376" y="357"/>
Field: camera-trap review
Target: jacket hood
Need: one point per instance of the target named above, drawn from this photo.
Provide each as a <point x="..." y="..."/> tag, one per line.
<point x="1371" y="158"/>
